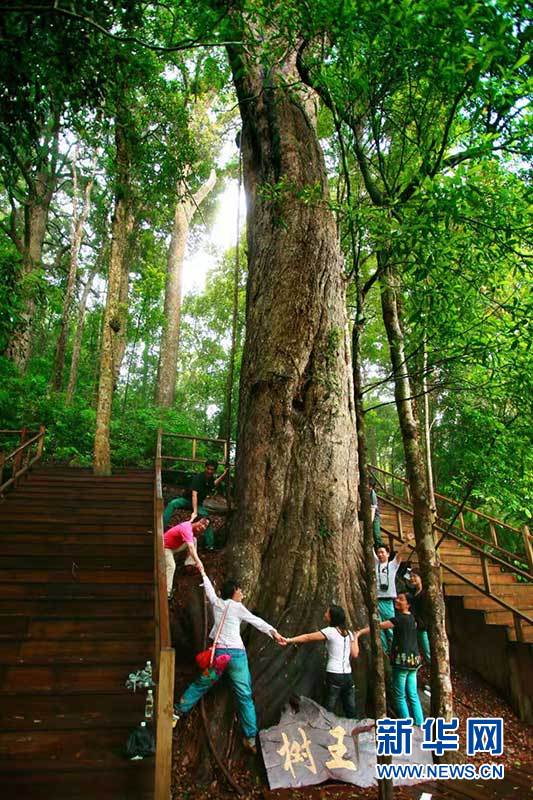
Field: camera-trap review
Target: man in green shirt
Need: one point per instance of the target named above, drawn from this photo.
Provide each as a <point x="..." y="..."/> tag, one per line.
<point x="203" y="485"/>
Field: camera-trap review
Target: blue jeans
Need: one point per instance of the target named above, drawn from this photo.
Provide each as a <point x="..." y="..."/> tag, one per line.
<point x="183" y="502"/>
<point x="423" y="645"/>
<point x="386" y="611"/>
<point x="241" y="682"/>
<point x="405" y="694"/>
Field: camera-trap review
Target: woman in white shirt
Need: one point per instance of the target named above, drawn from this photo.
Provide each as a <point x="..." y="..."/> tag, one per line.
<point x="341" y="645"/>
<point x="230" y="643"/>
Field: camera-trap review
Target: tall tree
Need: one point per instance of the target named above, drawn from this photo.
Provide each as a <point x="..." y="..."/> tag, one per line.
<point x="113" y="319"/>
<point x="295" y="538"/>
<point x="186" y="206"/>
<point x="79" y="218"/>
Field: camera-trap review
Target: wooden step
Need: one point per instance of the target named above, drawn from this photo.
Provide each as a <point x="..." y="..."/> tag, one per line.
<point x="60" y="712"/>
<point x="72" y="630"/>
<point x="527" y="634"/>
<point x="503" y="617"/>
<point x="82" y="608"/>
<point x="95" y="749"/>
<point x="67" y="678"/>
<point x="25" y="538"/>
<point x="518" y="595"/>
<point x="75" y="589"/>
<point x="79" y="550"/>
<point x="76" y="576"/>
<point x="120" y="651"/>
<point x="123" y="780"/>
<point x="77" y="562"/>
<point x="44" y="526"/>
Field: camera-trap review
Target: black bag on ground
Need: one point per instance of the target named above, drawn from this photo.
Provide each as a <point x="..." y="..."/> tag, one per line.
<point x="141" y="742"/>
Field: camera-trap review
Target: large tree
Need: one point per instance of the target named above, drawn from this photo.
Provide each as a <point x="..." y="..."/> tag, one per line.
<point x="295" y="537"/>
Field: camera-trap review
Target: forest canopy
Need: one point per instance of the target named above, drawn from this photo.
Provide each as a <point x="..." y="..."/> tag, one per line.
<point x="123" y="266"/>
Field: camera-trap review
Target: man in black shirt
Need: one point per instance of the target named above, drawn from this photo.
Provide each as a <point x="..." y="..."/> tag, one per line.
<point x="203" y="485"/>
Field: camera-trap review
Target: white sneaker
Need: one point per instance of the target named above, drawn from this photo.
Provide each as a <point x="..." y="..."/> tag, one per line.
<point x="427" y="690"/>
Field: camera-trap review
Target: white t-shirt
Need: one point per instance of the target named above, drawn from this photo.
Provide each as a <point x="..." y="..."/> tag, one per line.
<point x="338" y="647"/>
<point x="386" y="577"/>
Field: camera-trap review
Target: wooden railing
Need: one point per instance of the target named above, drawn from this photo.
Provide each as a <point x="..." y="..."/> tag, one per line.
<point x="493" y="528"/>
<point x="23" y="457"/>
<point x="519" y="617"/>
<point x="202" y="449"/>
<point x="165" y="655"/>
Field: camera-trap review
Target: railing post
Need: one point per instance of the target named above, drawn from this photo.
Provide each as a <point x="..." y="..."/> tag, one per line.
<point x="518" y="628"/>
<point x="2" y="462"/>
<point x="18" y="457"/>
<point x="165" y="703"/>
<point x="462" y="522"/>
<point x="40" y="443"/>
<point x="399" y="523"/>
<point x="407" y="493"/>
<point x="527" y="546"/>
<point x="194" y="448"/>
<point x="486" y="574"/>
<point x="493" y="533"/>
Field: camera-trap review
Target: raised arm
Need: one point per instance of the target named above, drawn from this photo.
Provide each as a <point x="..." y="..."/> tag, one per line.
<point x="221" y="477"/>
<point x="211" y="595"/>
<point x="303" y="638"/>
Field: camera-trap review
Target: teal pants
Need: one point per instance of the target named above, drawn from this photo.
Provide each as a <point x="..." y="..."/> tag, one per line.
<point x="423" y="645"/>
<point x="183" y="502"/>
<point x="238" y="673"/>
<point x="386" y="611"/>
<point x="405" y="695"/>
<point x="376" y="528"/>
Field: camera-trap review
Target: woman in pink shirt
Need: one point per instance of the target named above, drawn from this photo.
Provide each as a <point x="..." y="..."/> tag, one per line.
<point x="181" y="537"/>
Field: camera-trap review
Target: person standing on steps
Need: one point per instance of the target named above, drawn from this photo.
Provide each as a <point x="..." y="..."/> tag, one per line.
<point x="386" y="571"/>
<point x="341" y="646"/>
<point x="405" y="659"/>
<point x="182" y="537"/>
<point x="229" y="609"/>
<point x="203" y="485"/>
<point x="419" y="608"/>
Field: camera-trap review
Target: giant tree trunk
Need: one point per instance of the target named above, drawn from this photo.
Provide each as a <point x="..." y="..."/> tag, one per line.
<point x="78" y="337"/>
<point x="113" y="320"/>
<point x="295" y="540"/>
<point x="168" y="354"/>
<point x="76" y="236"/>
<point x="441" y="687"/>
<point x="37" y="206"/>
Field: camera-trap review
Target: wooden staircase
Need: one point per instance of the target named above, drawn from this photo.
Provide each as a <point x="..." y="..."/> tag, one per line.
<point x="76" y="617"/>
<point x="464" y="573"/>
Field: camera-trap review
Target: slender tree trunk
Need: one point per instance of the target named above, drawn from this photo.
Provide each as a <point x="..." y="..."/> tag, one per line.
<point x="111" y="329"/>
<point x="121" y="338"/>
<point x="441" y="687"/>
<point x="78" y="337"/>
<point x="35" y="221"/>
<point x="168" y="354"/>
<point x="385" y="787"/>
<point x="427" y="428"/>
<point x="78" y="224"/>
<point x="295" y="540"/>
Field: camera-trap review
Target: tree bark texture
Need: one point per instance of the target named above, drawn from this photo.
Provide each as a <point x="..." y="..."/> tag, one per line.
<point x="78" y="337"/>
<point x="41" y="188"/>
<point x="168" y="354"/>
<point x="295" y="539"/>
<point x="112" y="322"/>
<point x="441" y="687"/>
<point x="76" y="236"/>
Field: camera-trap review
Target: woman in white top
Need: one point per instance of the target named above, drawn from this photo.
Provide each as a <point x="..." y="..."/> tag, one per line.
<point x="230" y="643"/>
<point x="341" y="645"/>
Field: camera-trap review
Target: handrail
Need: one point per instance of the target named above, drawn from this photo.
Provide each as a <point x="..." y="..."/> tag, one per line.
<point x="518" y="616"/>
<point x="493" y="542"/>
<point x="448" y="531"/>
<point x="194" y="439"/>
<point x="21" y="456"/>
<point x="165" y="655"/>
<point x="450" y="500"/>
